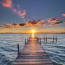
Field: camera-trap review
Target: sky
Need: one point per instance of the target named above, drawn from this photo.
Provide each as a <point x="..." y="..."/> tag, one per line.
<point x="20" y="11"/>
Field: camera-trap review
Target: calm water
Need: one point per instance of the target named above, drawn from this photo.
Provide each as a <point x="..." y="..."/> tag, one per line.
<point x="56" y="51"/>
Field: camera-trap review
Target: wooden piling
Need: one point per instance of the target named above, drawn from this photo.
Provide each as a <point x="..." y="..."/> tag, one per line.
<point x="18" y="50"/>
<point x="25" y="41"/>
<point x="46" y="39"/>
<point x="53" y="39"/>
<point x="40" y="40"/>
<point x="56" y="39"/>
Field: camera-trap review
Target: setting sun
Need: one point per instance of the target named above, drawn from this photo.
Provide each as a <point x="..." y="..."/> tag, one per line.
<point x="33" y="31"/>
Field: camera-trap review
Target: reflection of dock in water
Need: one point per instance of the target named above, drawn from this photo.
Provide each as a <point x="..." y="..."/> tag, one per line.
<point x="32" y="54"/>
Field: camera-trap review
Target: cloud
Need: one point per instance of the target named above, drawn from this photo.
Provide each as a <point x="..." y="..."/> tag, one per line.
<point x="31" y="22"/>
<point x="7" y="3"/>
<point x="23" y="24"/>
<point x="36" y="22"/>
<point x="52" y="20"/>
<point x="55" y="21"/>
<point x="21" y="13"/>
<point x="15" y="25"/>
<point x="41" y="22"/>
<point x="63" y="15"/>
<point x="7" y="25"/>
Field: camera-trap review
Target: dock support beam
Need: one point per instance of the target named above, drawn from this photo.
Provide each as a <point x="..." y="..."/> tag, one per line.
<point x="46" y="39"/>
<point x="25" y="41"/>
<point x="18" y="49"/>
<point x="40" y="40"/>
<point x="53" y="39"/>
<point x="56" y="39"/>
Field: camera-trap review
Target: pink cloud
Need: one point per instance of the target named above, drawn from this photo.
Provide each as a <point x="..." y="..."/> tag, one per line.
<point x="55" y="21"/>
<point x="7" y="3"/>
<point x="21" y="13"/>
<point x="14" y="10"/>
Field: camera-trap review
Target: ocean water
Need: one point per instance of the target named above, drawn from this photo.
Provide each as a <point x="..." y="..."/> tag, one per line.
<point x="8" y="47"/>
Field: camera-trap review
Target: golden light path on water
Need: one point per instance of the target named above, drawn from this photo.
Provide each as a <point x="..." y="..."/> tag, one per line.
<point x="33" y="33"/>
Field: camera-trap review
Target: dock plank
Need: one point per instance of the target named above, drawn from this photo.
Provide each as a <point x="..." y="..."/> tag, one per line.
<point x="33" y="54"/>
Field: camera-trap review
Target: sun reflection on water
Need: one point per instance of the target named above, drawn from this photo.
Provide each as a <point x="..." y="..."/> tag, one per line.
<point x="33" y="33"/>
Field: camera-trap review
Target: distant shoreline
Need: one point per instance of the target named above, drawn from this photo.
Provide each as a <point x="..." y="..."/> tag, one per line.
<point x="31" y="33"/>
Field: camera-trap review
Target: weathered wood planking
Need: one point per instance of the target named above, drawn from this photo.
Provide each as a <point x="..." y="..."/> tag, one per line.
<point x="33" y="54"/>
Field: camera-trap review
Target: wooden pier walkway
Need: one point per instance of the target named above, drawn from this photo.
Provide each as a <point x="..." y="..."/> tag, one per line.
<point x="33" y="54"/>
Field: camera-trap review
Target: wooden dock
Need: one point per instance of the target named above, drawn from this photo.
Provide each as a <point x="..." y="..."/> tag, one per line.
<point x="32" y="54"/>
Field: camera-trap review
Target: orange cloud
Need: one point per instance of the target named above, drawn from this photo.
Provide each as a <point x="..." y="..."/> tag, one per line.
<point x="15" y="25"/>
<point x="36" y="22"/>
<point x="7" y="3"/>
<point x="63" y="15"/>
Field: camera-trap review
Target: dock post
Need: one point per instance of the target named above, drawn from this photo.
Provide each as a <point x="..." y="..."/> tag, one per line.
<point x="46" y="39"/>
<point x="56" y="39"/>
<point x="53" y="39"/>
<point x="25" y="41"/>
<point x="18" y="49"/>
<point x="40" y="41"/>
<point x="28" y="39"/>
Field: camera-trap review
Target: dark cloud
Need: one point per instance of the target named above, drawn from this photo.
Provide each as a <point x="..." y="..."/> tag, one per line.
<point x="55" y="21"/>
<point x="23" y="24"/>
